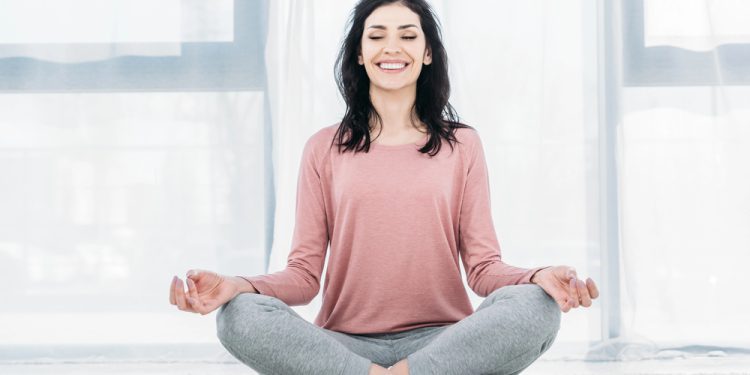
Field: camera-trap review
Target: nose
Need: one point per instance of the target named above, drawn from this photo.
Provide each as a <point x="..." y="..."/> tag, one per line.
<point x="391" y="50"/>
<point x="391" y="47"/>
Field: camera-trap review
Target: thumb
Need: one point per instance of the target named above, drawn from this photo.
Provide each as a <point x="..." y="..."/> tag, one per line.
<point x="195" y="273"/>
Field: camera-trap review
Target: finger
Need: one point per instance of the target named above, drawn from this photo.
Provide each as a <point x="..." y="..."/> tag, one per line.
<point x="196" y="274"/>
<point x="176" y="291"/>
<point x="192" y="290"/>
<point x="193" y="273"/>
<point x="179" y="291"/>
<point x="561" y="297"/>
<point x="573" y="290"/>
<point x="572" y="273"/>
<point x="171" y="291"/>
<point x="565" y="307"/>
<point x="197" y="305"/>
<point x="583" y="293"/>
<point x="593" y="289"/>
<point x="561" y="301"/>
<point x="193" y="299"/>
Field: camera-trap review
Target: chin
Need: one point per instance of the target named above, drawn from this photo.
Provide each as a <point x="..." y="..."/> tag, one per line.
<point x="395" y="87"/>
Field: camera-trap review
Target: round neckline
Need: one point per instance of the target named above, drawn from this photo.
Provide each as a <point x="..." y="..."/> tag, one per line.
<point x="418" y="144"/>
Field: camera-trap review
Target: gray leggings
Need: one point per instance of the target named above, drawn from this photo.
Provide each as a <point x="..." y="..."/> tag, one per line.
<point x="511" y="328"/>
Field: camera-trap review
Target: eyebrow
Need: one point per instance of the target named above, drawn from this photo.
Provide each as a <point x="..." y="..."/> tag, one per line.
<point x="399" y="28"/>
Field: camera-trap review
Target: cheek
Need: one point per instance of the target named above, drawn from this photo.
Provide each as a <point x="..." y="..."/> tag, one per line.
<point x="417" y="53"/>
<point x="417" y="70"/>
<point x="366" y="50"/>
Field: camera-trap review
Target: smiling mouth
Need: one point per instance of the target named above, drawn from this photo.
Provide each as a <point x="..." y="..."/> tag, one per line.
<point x="392" y="67"/>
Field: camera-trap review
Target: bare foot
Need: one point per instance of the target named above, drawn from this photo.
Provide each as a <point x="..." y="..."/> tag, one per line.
<point x="377" y="370"/>
<point x="400" y="368"/>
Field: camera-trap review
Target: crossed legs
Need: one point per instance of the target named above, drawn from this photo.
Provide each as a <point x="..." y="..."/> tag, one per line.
<point x="510" y="329"/>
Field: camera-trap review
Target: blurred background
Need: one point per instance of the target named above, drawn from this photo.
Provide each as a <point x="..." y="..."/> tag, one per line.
<point x="139" y="139"/>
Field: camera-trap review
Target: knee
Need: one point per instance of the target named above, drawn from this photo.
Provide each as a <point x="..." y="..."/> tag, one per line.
<point x="538" y="307"/>
<point x="236" y="317"/>
<point x="544" y="309"/>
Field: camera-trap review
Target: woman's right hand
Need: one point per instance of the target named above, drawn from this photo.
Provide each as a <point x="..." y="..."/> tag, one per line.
<point x="206" y="291"/>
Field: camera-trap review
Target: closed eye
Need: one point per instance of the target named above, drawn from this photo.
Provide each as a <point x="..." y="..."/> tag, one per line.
<point x="403" y="37"/>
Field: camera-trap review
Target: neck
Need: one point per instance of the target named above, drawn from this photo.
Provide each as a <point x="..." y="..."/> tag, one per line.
<point x="395" y="109"/>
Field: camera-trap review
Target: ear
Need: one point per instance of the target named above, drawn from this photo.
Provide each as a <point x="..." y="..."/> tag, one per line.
<point x="359" y="60"/>
<point x="427" y="57"/>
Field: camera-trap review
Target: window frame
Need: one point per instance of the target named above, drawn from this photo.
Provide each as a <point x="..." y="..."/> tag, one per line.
<point x="202" y="66"/>
<point x="661" y="65"/>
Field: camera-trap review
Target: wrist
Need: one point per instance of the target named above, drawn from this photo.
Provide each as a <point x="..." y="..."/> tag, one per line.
<point x="535" y="277"/>
<point x="243" y="285"/>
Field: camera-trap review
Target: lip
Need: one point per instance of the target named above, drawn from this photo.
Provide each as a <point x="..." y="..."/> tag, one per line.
<point x="393" y="61"/>
<point x="392" y="71"/>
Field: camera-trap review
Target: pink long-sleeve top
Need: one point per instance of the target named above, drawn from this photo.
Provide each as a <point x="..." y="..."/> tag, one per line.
<point x="397" y="222"/>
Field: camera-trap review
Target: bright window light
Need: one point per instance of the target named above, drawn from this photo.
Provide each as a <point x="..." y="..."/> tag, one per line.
<point x="115" y="21"/>
<point x="698" y="25"/>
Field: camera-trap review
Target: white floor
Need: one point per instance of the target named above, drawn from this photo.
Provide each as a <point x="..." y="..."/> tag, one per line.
<point x="693" y="366"/>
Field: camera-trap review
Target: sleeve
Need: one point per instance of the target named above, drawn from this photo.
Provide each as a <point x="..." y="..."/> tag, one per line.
<point x="478" y="244"/>
<point x="299" y="282"/>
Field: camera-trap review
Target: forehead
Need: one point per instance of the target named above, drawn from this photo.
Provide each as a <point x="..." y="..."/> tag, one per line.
<point x="392" y="16"/>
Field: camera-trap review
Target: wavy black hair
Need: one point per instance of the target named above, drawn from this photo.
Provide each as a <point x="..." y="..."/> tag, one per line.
<point x="433" y="86"/>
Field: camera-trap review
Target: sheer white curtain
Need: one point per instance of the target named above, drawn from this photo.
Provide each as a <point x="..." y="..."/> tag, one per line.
<point x="117" y="172"/>
<point x="683" y="147"/>
<point x="519" y="72"/>
<point x="303" y="38"/>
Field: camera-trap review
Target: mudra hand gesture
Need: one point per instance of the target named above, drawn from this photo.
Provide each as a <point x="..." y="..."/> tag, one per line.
<point x="564" y="286"/>
<point x="206" y="291"/>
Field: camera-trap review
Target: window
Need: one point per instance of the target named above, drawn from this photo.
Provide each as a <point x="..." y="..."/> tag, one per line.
<point x="200" y="65"/>
<point x="648" y="64"/>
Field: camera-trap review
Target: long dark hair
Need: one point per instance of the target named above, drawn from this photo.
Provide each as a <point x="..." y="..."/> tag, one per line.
<point x="433" y="86"/>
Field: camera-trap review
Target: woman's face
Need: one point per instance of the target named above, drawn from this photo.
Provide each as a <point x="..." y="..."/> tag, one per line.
<point x="393" y="47"/>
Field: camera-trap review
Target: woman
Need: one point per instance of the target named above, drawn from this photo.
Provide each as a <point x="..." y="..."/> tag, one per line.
<point x="398" y="213"/>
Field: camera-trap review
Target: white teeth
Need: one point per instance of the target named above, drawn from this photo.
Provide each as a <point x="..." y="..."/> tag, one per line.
<point x="393" y="66"/>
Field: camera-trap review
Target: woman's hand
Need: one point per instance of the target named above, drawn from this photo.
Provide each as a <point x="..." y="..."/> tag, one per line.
<point x="206" y="291"/>
<point x="562" y="284"/>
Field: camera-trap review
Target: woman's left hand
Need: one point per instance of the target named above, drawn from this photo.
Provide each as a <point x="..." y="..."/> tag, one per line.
<point x="562" y="284"/>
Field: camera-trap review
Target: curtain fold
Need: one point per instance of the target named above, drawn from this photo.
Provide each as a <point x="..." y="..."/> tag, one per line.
<point x="106" y="193"/>
<point x="294" y="61"/>
<point x="684" y="188"/>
